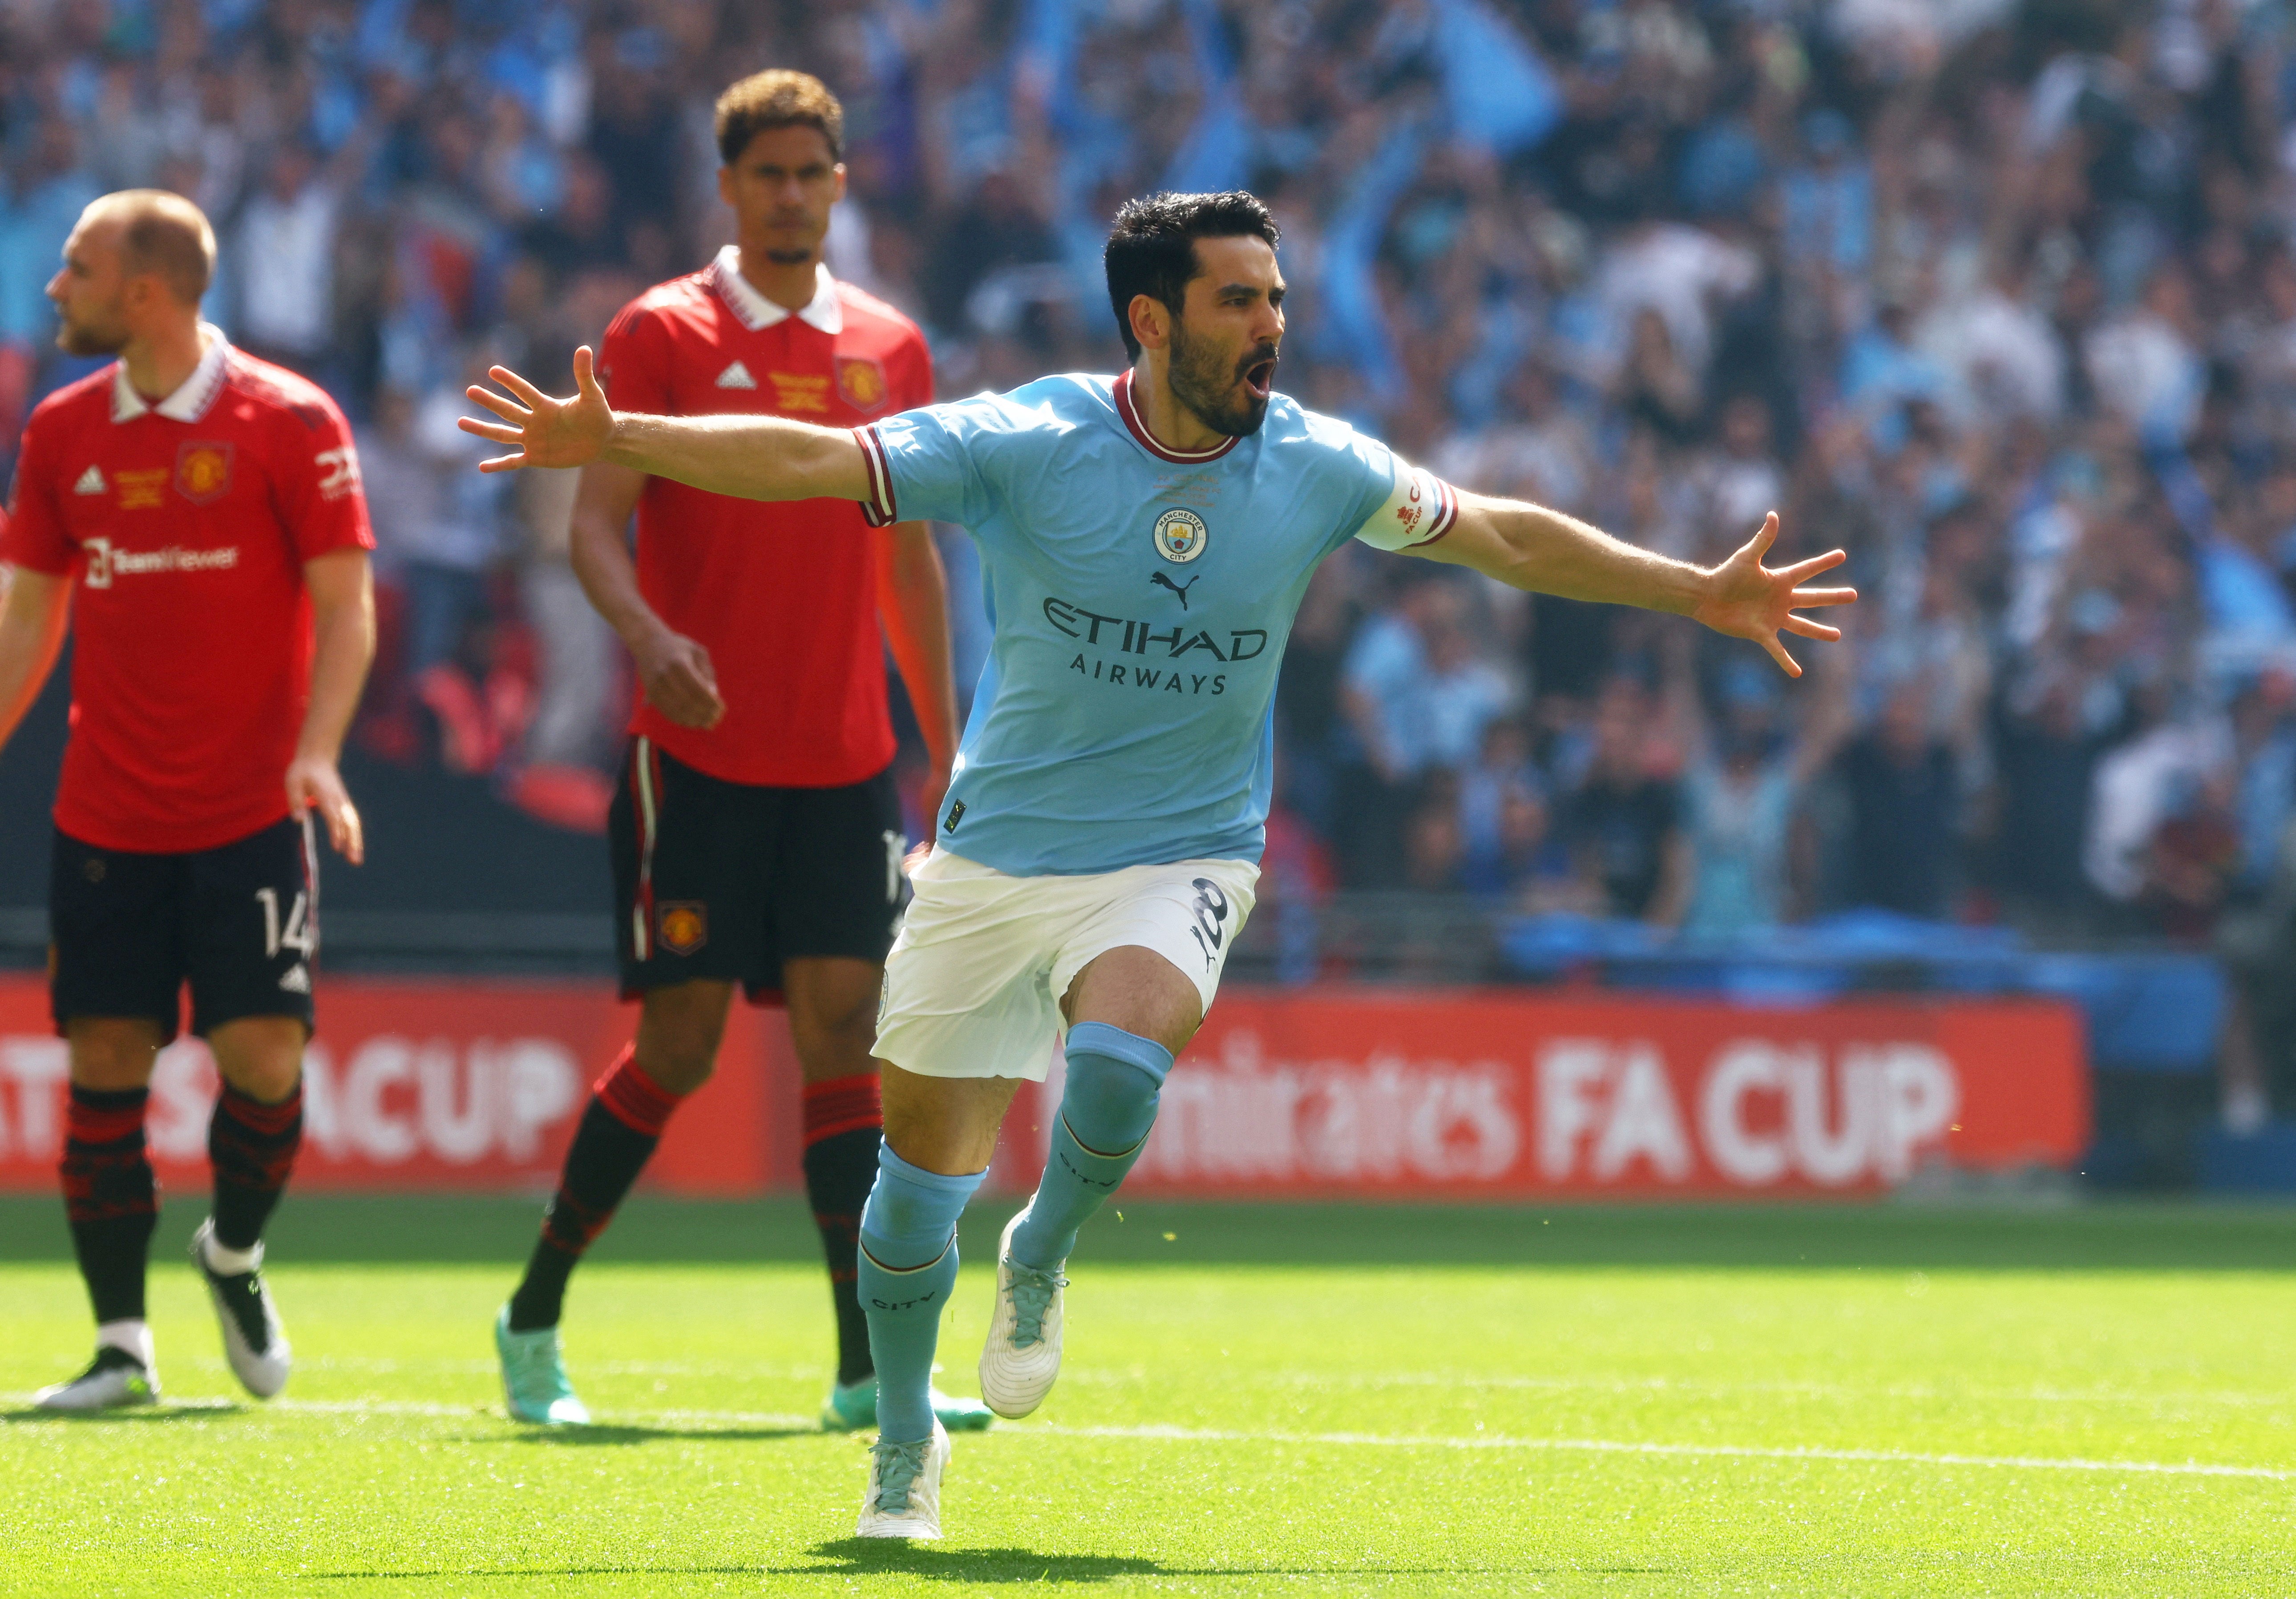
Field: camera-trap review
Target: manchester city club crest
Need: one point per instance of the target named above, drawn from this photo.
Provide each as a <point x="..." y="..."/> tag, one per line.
<point x="1181" y="536"/>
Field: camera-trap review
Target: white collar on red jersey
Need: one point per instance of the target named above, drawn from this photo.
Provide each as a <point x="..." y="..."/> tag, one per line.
<point x="756" y="313"/>
<point x="190" y="402"/>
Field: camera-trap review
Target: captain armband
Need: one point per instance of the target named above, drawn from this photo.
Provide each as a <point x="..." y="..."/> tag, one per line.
<point x="1420" y="509"/>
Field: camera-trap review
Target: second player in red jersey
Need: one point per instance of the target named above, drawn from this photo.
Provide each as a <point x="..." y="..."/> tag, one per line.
<point x="756" y="835"/>
<point x="786" y="596"/>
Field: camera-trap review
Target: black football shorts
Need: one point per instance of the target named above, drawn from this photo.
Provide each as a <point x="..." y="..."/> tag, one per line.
<point x="239" y="922"/>
<point x="727" y="881"/>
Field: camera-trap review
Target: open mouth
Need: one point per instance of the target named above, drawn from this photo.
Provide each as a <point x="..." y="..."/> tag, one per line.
<point x="1259" y="378"/>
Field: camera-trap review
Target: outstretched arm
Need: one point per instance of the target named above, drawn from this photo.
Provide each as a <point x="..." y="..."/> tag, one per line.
<point x="749" y="458"/>
<point x="1530" y="547"/>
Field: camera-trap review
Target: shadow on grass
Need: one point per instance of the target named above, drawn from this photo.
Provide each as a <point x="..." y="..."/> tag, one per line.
<point x="872" y="1557"/>
<point x="130" y="1415"/>
<point x="607" y="1435"/>
<point x="868" y="1557"/>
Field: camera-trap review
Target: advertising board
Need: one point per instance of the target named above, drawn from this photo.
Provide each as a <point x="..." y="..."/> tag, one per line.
<point x="1337" y="1093"/>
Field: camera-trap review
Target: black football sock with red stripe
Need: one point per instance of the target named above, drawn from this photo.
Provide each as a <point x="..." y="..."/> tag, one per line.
<point x="252" y="1147"/>
<point x="627" y="1113"/>
<point x="843" y="1125"/>
<point x="110" y="1197"/>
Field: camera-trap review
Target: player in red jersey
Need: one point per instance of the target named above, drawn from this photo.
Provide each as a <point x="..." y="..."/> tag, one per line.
<point x="197" y="513"/>
<point x="756" y="834"/>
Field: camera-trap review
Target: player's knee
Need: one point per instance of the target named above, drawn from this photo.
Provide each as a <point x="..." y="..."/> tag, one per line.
<point x="938" y="1144"/>
<point x="1102" y="1090"/>
<point x="833" y="1013"/>
<point x="679" y="1066"/>
<point x="835" y="1045"/>
<point x="110" y="1053"/>
<point x="1114" y="1080"/>
<point x="679" y="1031"/>
<point x="268" y="1081"/>
<point x="911" y="1213"/>
<point x="261" y="1057"/>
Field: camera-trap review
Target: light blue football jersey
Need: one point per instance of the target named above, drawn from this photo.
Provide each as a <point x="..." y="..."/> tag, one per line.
<point x="1141" y="598"/>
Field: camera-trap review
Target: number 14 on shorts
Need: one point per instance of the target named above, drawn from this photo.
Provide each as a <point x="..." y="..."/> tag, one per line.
<point x="296" y="933"/>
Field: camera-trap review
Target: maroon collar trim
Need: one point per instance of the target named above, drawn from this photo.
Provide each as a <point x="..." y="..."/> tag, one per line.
<point x="1139" y="429"/>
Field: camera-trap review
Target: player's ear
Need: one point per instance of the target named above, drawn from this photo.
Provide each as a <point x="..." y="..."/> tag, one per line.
<point x="725" y="184"/>
<point x="838" y="170"/>
<point x="1151" y="321"/>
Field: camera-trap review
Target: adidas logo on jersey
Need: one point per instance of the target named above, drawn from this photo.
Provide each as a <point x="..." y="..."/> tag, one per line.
<point x="90" y="481"/>
<point x="297" y="980"/>
<point x="736" y="376"/>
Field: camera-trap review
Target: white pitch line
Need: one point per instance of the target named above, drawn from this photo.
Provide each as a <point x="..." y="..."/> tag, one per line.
<point x="1170" y="1434"/>
<point x="1810" y="1390"/>
<point x="728" y="1418"/>
<point x="1600" y="1446"/>
<point x="1362" y="1380"/>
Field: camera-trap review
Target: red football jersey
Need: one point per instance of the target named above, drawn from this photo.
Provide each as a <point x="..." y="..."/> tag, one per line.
<point x="783" y="595"/>
<point x="186" y="524"/>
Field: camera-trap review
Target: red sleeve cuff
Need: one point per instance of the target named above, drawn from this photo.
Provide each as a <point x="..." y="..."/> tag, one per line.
<point x="1446" y="512"/>
<point x="878" y="510"/>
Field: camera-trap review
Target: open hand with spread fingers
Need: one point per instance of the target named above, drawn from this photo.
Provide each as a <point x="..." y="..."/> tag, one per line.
<point x="544" y="432"/>
<point x="1745" y="599"/>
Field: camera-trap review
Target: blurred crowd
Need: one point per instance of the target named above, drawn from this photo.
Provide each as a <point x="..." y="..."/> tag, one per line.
<point x="1999" y="297"/>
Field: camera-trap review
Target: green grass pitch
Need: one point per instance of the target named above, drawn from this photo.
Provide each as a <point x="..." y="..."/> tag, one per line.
<point x="2098" y="1400"/>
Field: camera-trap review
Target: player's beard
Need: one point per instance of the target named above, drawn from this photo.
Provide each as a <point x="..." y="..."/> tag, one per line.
<point x="812" y="229"/>
<point x="1203" y="381"/>
<point x="105" y="337"/>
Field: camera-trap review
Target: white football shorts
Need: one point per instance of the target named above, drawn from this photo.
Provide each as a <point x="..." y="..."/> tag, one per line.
<point x="973" y="984"/>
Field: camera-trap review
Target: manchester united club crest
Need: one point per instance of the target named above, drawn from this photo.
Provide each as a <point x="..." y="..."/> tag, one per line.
<point x="862" y="382"/>
<point x="203" y="472"/>
<point x="684" y="926"/>
<point x="1181" y="536"/>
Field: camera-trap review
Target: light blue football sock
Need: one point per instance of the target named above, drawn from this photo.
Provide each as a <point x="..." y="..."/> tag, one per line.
<point x="907" y="1267"/>
<point x="1106" y="1109"/>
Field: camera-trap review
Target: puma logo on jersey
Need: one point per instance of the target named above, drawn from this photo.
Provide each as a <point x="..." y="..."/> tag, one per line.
<point x="736" y="376"/>
<point x="90" y="481"/>
<point x="1161" y="579"/>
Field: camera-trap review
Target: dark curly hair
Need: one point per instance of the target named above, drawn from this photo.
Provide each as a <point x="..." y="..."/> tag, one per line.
<point x="1151" y="250"/>
<point x="777" y="98"/>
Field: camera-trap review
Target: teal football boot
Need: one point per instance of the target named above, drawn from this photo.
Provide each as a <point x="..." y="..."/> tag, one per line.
<point x="852" y="1406"/>
<point x="534" y="1376"/>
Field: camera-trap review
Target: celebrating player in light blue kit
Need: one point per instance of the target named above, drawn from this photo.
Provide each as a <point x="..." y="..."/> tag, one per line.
<point x="1147" y="540"/>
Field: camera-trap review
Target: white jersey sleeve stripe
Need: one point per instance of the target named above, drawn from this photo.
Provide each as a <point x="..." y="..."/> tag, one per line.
<point x="877" y="509"/>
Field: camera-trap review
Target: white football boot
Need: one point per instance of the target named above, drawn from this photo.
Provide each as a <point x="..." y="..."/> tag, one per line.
<point x="253" y="1340"/>
<point x="113" y="1379"/>
<point x="1021" y="1358"/>
<point x="903" y="1500"/>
